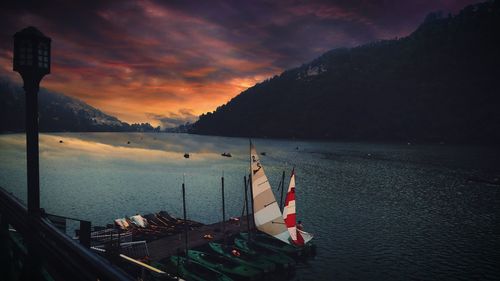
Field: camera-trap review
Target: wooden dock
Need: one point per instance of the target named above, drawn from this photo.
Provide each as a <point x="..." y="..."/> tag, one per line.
<point x="168" y="246"/>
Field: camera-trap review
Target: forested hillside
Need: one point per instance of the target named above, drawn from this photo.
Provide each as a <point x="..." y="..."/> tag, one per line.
<point x="440" y="83"/>
<point x="57" y="113"/>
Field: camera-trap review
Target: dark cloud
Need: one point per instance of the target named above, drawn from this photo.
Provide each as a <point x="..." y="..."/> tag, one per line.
<point x="196" y="54"/>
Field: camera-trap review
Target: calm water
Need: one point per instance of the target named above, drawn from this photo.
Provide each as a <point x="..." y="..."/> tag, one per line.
<point x="378" y="211"/>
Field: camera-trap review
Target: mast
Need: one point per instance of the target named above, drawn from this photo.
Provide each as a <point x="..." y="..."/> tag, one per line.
<point x="185" y="220"/>
<point x="251" y="202"/>
<point x="282" y="189"/>
<point x="223" y="211"/>
<point x="250" y="182"/>
<point x="246" y="205"/>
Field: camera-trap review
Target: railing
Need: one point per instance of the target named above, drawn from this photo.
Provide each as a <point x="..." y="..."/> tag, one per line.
<point x="63" y="258"/>
<point x="61" y="223"/>
<point x="109" y="235"/>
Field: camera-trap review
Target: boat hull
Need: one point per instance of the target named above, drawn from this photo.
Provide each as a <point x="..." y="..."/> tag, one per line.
<point x="282" y="261"/>
<point x="244" y="258"/>
<point x="271" y="243"/>
<point x="225" y="265"/>
<point x="195" y="271"/>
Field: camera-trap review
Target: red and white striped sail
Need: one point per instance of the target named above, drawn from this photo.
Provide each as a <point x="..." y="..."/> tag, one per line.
<point x="299" y="237"/>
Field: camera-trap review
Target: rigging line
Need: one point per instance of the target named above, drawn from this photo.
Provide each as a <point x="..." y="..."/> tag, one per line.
<point x="243" y="211"/>
<point x="244" y="205"/>
<point x="263" y="182"/>
<point x="265" y="205"/>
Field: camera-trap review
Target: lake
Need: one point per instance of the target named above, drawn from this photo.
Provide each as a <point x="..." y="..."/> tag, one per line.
<point x="378" y="211"/>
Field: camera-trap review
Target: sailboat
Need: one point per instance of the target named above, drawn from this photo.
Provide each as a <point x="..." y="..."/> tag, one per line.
<point x="268" y="217"/>
<point x="267" y="213"/>
<point x="299" y="236"/>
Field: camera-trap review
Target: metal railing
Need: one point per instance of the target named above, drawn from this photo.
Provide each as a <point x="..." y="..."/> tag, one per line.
<point x="63" y="258"/>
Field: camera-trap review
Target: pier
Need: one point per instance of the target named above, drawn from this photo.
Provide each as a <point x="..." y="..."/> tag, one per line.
<point x="167" y="246"/>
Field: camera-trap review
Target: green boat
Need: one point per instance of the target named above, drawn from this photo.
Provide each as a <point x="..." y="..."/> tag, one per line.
<point x="269" y="242"/>
<point x="281" y="260"/>
<point x="193" y="271"/>
<point x="225" y="265"/>
<point x="243" y="257"/>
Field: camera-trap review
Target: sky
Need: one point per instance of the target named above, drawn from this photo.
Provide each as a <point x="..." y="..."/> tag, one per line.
<point x="166" y="62"/>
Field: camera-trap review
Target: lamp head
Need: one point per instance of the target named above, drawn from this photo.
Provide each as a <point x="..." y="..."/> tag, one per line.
<point x="31" y="53"/>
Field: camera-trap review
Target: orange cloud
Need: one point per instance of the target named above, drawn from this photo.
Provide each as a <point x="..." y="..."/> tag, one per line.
<point x="142" y="59"/>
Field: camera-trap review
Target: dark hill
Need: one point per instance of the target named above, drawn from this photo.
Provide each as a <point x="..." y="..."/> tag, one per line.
<point x="441" y="83"/>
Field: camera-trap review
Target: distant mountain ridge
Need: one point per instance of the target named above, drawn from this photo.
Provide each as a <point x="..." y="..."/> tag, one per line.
<point x="57" y="113"/>
<point x="438" y="84"/>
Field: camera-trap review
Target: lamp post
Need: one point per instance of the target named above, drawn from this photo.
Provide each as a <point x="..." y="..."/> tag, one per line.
<point x="32" y="61"/>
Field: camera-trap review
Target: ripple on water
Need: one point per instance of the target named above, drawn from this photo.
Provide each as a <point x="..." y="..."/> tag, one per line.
<point x="378" y="211"/>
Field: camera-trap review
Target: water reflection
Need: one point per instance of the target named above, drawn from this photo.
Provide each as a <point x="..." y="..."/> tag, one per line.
<point x="379" y="211"/>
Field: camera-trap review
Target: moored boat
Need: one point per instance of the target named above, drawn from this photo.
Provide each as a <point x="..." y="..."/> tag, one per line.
<point x="191" y="270"/>
<point x="281" y="260"/>
<point x="267" y="216"/>
<point x="225" y="265"/>
<point x="243" y="257"/>
<point x="269" y="242"/>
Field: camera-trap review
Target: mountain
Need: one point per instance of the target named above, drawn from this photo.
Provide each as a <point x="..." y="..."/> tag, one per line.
<point x="440" y="83"/>
<point x="185" y="128"/>
<point x="57" y="113"/>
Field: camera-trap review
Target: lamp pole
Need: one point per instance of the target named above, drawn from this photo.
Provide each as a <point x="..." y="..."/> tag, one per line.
<point x="32" y="61"/>
<point x="31" y="88"/>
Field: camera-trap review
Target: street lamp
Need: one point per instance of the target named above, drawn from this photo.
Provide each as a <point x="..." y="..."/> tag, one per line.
<point x="31" y="54"/>
<point x="32" y="61"/>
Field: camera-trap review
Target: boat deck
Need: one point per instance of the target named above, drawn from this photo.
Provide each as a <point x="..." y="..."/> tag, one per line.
<point x="167" y="246"/>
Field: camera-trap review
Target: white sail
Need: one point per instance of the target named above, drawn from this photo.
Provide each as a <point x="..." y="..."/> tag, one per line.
<point x="267" y="214"/>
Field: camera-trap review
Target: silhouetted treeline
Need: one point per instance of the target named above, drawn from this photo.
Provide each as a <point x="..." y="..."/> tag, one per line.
<point x="441" y="83"/>
<point x="58" y="113"/>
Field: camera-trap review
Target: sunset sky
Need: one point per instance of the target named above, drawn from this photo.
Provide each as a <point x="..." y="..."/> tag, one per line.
<point x="166" y="62"/>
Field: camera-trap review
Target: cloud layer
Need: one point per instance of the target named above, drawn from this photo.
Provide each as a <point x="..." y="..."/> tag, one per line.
<point x="174" y="119"/>
<point x="167" y="61"/>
